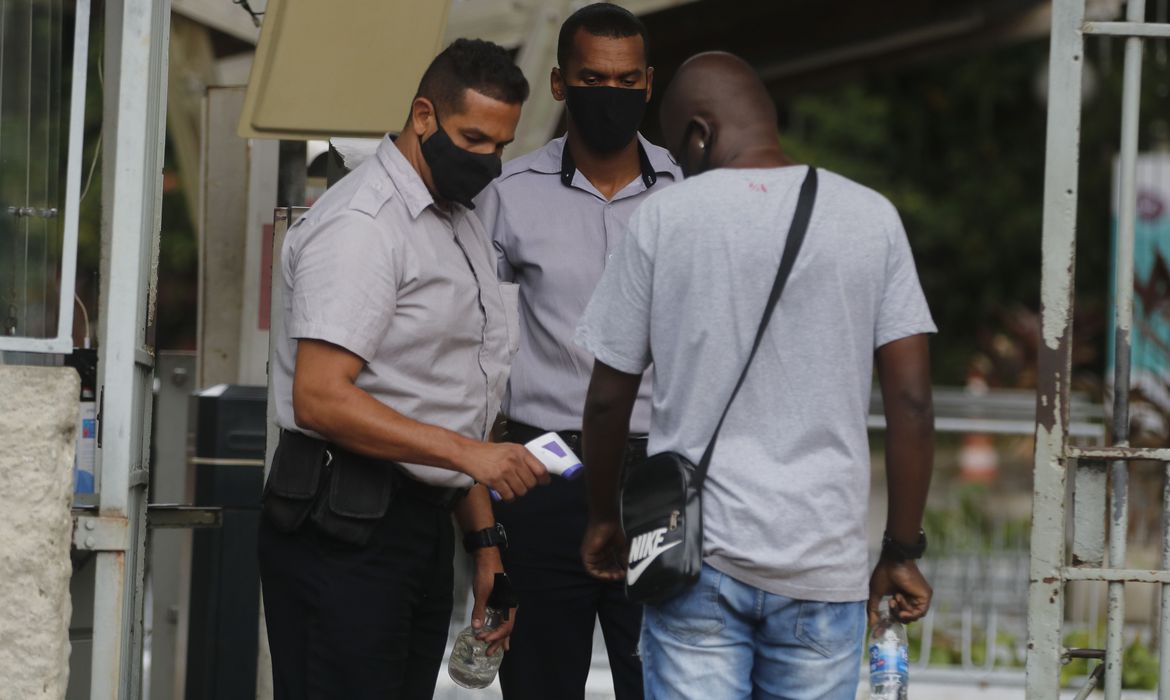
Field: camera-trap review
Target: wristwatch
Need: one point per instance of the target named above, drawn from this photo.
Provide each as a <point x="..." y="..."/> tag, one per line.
<point x="493" y="536"/>
<point x="897" y="551"/>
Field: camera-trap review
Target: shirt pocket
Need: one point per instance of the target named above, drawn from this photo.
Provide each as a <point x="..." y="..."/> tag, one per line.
<point x="510" y="293"/>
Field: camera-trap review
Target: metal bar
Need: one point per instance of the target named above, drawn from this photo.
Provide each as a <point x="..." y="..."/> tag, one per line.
<point x="1148" y="30"/>
<point x="144" y="358"/>
<point x="73" y="171"/>
<point x="992" y="638"/>
<point x="1091" y="683"/>
<point x="137" y="35"/>
<point x="16" y="343"/>
<point x="1119" y="452"/>
<point x="996" y="426"/>
<point x="183" y="517"/>
<point x="226" y="462"/>
<point x="1061" y="167"/>
<point x="1164" y="621"/>
<point x="1123" y="320"/>
<point x="1072" y="573"/>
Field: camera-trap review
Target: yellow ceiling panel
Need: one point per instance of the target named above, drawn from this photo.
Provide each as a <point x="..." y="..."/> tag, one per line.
<point x="340" y="68"/>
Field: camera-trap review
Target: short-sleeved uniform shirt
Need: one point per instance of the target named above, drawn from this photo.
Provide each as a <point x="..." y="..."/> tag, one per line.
<point x="553" y="233"/>
<point x="378" y="268"/>
<point x="784" y="505"/>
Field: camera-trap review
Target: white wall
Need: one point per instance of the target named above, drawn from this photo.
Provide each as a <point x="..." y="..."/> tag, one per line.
<point x="38" y="427"/>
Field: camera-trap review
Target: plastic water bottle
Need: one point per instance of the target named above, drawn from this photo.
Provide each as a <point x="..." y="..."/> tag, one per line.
<point x="889" y="662"/>
<point x="470" y="665"/>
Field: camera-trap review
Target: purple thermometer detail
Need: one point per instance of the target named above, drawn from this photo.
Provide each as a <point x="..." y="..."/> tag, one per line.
<point x="555" y="449"/>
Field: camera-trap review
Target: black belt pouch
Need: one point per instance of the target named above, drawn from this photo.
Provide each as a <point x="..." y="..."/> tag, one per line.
<point x="345" y="494"/>
<point x="356" y="496"/>
<point x="294" y="480"/>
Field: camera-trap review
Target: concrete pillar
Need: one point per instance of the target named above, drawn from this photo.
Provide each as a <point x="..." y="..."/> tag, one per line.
<point x="38" y="429"/>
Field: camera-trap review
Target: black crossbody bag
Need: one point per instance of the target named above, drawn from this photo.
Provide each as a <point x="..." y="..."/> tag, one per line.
<point x="662" y="497"/>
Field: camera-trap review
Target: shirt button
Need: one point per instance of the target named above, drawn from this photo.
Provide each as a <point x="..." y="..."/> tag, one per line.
<point x="377" y="185"/>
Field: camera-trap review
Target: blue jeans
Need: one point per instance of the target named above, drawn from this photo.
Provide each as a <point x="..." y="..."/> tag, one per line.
<point x="726" y="640"/>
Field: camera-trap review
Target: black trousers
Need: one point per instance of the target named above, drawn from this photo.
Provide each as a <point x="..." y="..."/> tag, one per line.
<point x="351" y="623"/>
<point x="552" y="641"/>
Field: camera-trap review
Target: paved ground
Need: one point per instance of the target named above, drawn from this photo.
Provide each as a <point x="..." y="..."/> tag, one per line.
<point x="922" y="691"/>
<point x="600" y="687"/>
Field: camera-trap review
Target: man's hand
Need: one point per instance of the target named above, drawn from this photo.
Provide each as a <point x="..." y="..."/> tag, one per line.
<point x="604" y="550"/>
<point x="487" y="565"/>
<point x="905" y="583"/>
<point x="510" y="469"/>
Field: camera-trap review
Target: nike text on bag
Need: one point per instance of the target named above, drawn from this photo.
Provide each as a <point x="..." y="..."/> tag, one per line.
<point x="662" y="510"/>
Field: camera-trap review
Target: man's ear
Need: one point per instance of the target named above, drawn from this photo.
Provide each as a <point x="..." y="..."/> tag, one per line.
<point x="649" y="82"/>
<point x="697" y="131"/>
<point x="557" y="84"/>
<point x="422" y="116"/>
<point x="696" y="140"/>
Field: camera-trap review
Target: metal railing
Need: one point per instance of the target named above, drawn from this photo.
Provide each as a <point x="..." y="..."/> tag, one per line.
<point x="1099" y="475"/>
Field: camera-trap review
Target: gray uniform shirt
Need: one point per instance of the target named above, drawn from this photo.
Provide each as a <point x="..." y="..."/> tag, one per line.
<point x="784" y="504"/>
<point x="554" y="232"/>
<point x="378" y="269"/>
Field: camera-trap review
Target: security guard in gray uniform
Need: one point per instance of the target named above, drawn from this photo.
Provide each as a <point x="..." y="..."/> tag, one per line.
<point x="390" y="368"/>
<point x="556" y="215"/>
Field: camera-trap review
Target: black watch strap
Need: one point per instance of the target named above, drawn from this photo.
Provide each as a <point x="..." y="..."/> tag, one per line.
<point x="488" y="537"/>
<point x="900" y="551"/>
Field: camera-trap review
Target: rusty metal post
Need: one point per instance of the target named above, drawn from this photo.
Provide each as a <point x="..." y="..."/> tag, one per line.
<point x="1164" y="622"/>
<point x="137" y="32"/>
<point x="1123" y="315"/>
<point x="1062" y="156"/>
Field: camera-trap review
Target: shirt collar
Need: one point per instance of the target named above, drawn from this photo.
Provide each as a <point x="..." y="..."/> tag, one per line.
<point x="555" y="159"/>
<point x="404" y="177"/>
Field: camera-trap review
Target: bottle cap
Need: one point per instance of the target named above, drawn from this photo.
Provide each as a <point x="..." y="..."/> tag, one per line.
<point x="503" y="596"/>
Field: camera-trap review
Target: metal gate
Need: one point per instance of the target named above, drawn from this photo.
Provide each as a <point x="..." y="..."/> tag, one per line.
<point x="1099" y="475"/>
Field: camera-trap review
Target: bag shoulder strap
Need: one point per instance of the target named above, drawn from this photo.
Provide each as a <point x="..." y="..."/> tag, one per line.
<point x="800" y="219"/>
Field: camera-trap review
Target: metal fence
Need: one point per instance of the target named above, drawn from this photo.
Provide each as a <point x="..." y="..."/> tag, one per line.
<point x="1098" y="476"/>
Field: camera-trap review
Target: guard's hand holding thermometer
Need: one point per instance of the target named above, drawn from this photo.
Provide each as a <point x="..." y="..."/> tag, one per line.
<point x="555" y="455"/>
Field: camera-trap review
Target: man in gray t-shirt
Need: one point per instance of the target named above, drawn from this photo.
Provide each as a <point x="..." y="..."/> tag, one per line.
<point x="778" y="608"/>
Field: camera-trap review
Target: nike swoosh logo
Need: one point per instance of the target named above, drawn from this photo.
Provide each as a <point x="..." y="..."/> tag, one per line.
<point x="636" y="572"/>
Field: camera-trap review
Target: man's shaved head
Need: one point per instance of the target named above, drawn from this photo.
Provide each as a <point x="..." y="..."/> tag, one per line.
<point x="715" y="109"/>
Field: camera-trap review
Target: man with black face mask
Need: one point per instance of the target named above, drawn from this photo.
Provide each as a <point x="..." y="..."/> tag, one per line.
<point x="556" y="215"/>
<point x="390" y="368"/>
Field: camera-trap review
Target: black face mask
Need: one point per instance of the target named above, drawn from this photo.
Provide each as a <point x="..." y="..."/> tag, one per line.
<point x="458" y="173"/>
<point x="682" y="153"/>
<point x="606" y="117"/>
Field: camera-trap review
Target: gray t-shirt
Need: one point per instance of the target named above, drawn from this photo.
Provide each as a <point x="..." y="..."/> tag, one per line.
<point x="784" y="505"/>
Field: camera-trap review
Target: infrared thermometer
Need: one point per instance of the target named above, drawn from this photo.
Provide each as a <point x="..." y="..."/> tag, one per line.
<point x="555" y="455"/>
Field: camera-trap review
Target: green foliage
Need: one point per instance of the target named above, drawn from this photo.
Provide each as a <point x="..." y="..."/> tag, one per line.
<point x="958" y="146"/>
<point x="1139" y="666"/>
<point x="962" y="524"/>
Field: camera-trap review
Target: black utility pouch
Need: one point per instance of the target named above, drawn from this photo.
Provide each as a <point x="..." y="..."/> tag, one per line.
<point x="294" y="481"/>
<point x="356" y="497"/>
